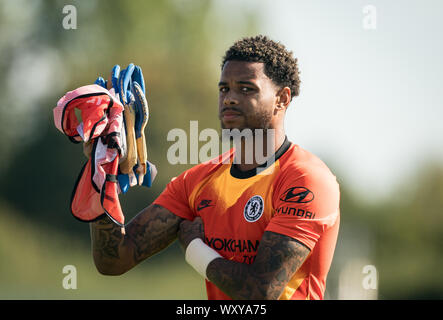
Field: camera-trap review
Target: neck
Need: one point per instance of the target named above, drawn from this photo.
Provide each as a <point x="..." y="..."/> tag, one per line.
<point x="255" y="150"/>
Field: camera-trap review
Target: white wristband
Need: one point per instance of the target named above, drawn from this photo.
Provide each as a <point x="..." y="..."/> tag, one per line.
<point x="199" y="255"/>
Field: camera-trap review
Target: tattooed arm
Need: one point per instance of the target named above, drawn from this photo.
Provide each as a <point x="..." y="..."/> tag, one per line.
<point x="116" y="250"/>
<point x="278" y="258"/>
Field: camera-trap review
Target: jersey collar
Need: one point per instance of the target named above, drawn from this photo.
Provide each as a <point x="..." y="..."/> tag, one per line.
<point x="237" y="173"/>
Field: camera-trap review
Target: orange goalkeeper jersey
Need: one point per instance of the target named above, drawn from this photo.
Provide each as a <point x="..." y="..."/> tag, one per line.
<point x="296" y="196"/>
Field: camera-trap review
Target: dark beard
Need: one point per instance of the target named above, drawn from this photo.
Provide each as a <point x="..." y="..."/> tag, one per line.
<point x="262" y="121"/>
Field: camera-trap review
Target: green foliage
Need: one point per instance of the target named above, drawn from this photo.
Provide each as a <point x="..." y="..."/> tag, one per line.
<point x="33" y="261"/>
<point x="404" y="235"/>
<point x="174" y="43"/>
<point x="168" y="39"/>
<point x="409" y="237"/>
<point x="179" y="45"/>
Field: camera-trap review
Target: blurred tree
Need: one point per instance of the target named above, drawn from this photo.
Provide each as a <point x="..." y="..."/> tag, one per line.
<point x="179" y="45"/>
<point x="405" y="233"/>
<point x="171" y="40"/>
<point x="410" y="236"/>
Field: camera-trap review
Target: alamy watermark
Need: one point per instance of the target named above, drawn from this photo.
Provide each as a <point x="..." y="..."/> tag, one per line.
<point x="369" y="21"/>
<point x="70" y="280"/>
<point x="70" y="18"/>
<point x="370" y="281"/>
<point x="252" y="146"/>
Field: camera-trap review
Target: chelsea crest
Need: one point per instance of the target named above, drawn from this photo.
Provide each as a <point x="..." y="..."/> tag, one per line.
<point x="254" y="208"/>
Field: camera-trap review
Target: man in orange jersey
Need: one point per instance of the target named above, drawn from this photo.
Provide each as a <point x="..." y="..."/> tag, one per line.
<point x="253" y="229"/>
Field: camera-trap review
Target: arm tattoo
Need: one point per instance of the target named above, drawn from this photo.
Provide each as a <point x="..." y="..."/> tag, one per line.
<point x="150" y="233"/>
<point x="117" y="249"/>
<point x="106" y="237"/>
<point x="278" y="258"/>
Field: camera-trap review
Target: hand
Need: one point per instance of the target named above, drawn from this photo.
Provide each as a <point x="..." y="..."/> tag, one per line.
<point x="121" y="81"/>
<point x="129" y="86"/>
<point x="189" y="230"/>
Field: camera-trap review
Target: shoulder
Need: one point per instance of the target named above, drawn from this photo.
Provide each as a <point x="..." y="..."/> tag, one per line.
<point x="305" y="192"/>
<point x="299" y="163"/>
<point x="203" y="170"/>
<point x="303" y="173"/>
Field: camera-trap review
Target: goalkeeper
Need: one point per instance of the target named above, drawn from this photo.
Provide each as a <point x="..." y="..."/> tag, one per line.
<point x="252" y="230"/>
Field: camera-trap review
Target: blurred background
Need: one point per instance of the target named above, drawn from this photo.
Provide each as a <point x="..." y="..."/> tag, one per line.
<point x="370" y="106"/>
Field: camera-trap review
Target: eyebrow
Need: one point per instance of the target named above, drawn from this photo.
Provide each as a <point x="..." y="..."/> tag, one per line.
<point x="222" y="83"/>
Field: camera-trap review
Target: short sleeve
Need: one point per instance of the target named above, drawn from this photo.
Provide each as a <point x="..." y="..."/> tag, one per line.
<point x="305" y="205"/>
<point x="175" y="198"/>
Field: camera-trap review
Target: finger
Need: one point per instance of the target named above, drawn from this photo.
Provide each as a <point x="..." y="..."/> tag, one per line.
<point x="115" y="73"/>
<point x="138" y="77"/>
<point x="101" y="82"/>
<point x="124" y="82"/>
<point x="121" y="87"/>
<point x="131" y="144"/>
<point x="185" y="221"/>
<point x="141" y="119"/>
<point x="142" y="105"/>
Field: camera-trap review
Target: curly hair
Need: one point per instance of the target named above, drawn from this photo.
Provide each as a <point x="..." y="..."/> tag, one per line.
<point x="279" y="64"/>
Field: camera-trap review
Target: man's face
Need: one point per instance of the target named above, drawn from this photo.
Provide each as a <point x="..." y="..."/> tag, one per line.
<point x="246" y="96"/>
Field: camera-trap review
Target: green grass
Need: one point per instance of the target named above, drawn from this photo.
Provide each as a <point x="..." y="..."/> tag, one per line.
<point x="32" y="261"/>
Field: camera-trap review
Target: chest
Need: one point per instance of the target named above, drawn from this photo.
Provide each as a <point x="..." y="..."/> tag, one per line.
<point x="235" y="214"/>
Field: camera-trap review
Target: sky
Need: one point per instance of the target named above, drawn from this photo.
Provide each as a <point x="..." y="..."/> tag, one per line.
<point x="371" y="100"/>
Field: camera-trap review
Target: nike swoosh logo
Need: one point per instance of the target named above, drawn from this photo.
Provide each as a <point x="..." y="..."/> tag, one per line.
<point x="204" y="204"/>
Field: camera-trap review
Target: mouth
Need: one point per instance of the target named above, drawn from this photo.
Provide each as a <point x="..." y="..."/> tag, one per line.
<point x="230" y="114"/>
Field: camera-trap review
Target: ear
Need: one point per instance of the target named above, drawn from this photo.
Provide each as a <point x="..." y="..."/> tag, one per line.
<point x="283" y="98"/>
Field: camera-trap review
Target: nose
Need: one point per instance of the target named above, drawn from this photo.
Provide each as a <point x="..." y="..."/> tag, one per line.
<point x="229" y="100"/>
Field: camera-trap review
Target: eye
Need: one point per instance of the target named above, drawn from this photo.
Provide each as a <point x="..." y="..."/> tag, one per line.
<point x="246" y="89"/>
<point x="223" y="89"/>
